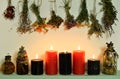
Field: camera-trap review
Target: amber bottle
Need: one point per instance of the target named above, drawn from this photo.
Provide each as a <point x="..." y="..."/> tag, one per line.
<point x="8" y="67"/>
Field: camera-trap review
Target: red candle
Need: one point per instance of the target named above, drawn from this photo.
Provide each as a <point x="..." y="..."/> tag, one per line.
<point x="78" y="62"/>
<point x="51" y="64"/>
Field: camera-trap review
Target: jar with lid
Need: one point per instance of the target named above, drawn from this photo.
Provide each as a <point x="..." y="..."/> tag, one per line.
<point x="110" y="60"/>
<point x="8" y="67"/>
<point x="22" y="63"/>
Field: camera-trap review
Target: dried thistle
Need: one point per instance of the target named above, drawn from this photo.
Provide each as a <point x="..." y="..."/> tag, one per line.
<point x="83" y="15"/>
<point x="109" y="15"/>
<point x="24" y="20"/>
<point x="69" y="21"/>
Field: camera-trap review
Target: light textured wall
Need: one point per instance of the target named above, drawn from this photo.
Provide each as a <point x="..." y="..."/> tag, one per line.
<point x="61" y="39"/>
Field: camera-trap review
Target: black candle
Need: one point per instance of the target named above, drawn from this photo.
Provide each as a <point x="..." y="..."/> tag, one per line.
<point x="93" y="67"/>
<point x="65" y="63"/>
<point x="36" y="67"/>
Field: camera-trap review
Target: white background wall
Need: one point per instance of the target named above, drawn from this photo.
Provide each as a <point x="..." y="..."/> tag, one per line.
<point x="10" y="40"/>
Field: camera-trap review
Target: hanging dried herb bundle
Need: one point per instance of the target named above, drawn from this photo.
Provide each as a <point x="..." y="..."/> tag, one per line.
<point x="24" y="20"/>
<point x="39" y="24"/>
<point x="109" y="15"/>
<point x="55" y="20"/>
<point x="83" y="15"/>
<point x="69" y="21"/>
<point x="95" y="27"/>
<point x="9" y="12"/>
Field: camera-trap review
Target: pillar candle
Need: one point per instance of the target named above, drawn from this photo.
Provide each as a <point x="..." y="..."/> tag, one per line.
<point x="78" y="62"/>
<point x="51" y="65"/>
<point x="93" y="67"/>
<point x="36" y="67"/>
<point x="65" y="63"/>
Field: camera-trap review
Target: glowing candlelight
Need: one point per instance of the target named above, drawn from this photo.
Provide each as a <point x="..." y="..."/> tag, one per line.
<point x="36" y="56"/>
<point x="36" y="66"/>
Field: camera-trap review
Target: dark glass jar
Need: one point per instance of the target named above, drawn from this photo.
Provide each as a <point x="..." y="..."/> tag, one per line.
<point x="8" y="67"/>
<point x="22" y="63"/>
<point x="110" y="60"/>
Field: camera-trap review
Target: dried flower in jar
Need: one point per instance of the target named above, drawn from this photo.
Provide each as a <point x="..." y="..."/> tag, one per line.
<point x="22" y="63"/>
<point x="110" y="60"/>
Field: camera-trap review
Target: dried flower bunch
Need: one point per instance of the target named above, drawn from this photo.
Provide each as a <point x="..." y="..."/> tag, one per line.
<point x="69" y="20"/>
<point x="83" y="16"/>
<point x="83" y="19"/>
<point x="55" y="20"/>
<point x="95" y="26"/>
<point x="109" y="15"/>
<point x="24" y="21"/>
<point x="39" y="25"/>
<point x="9" y="12"/>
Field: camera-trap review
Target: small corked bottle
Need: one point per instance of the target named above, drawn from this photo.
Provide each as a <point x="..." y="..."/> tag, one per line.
<point x="22" y="63"/>
<point x="8" y="67"/>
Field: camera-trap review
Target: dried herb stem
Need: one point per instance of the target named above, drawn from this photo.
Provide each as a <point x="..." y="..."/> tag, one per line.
<point x="35" y="10"/>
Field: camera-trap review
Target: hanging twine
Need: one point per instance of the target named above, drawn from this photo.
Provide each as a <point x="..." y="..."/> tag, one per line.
<point x="53" y="6"/>
<point x="80" y="5"/>
<point x="94" y="8"/>
<point x="9" y="2"/>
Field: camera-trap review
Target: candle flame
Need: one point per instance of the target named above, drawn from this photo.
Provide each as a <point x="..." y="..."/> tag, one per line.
<point x="36" y="56"/>
<point x="65" y="51"/>
<point x="51" y="47"/>
<point x="93" y="57"/>
<point x="78" y="47"/>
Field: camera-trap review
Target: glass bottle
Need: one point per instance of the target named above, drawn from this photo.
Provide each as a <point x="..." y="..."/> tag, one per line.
<point x="110" y="60"/>
<point x="8" y="67"/>
<point x="22" y="63"/>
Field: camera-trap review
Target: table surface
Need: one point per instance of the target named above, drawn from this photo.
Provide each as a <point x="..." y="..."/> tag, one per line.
<point x="29" y="76"/>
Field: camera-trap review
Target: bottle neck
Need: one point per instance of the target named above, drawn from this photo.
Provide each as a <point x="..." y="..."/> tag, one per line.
<point x="7" y="60"/>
